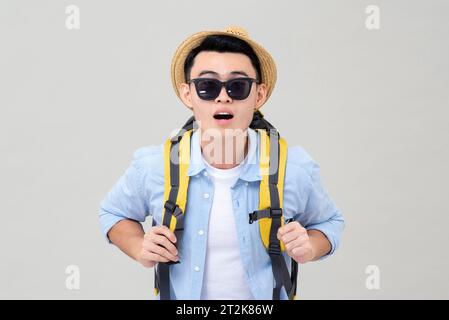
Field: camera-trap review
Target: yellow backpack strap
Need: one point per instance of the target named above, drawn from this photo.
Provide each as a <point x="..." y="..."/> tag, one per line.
<point x="272" y="159"/>
<point x="266" y="210"/>
<point x="176" y="182"/>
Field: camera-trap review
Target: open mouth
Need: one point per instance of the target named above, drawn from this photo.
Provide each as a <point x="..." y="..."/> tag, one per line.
<point x="223" y="116"/>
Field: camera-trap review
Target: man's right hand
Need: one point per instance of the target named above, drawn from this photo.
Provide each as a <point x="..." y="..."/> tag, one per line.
<point x="157" y="246"/>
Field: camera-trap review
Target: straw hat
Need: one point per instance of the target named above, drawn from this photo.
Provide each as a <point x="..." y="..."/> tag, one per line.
<point x="267" y="64"/>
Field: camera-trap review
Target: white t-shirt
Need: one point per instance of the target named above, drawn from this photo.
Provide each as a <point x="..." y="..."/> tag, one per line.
<point x="224" y="276"/>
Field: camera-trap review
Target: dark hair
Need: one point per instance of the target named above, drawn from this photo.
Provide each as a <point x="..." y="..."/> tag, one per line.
<point x="222" y="43"/>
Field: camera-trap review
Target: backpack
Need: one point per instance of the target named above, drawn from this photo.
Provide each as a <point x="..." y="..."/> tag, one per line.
<point x="273" y="154"/>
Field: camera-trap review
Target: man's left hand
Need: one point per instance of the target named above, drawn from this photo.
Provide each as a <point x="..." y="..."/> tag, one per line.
<point x="297" y="242"/>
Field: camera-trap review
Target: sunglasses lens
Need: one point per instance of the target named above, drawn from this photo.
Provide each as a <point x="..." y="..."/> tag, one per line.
<point x="208" y="89"/>
<point x="238" y="89"/>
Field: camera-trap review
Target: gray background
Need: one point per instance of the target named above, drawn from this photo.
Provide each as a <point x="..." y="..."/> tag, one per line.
<point x="370" y="106"/>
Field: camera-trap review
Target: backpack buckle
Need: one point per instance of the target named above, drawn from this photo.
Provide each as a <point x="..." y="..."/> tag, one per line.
<point x="173" y="208"/>
<point x="252" y="217"/>
<point x="275" y="212"/>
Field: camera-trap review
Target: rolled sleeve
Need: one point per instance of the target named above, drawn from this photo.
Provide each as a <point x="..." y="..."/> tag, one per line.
<point x="321" y="213"/>
<point x="126" y="199"/>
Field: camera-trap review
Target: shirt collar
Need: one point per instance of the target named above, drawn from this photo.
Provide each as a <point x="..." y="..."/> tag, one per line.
<point x="250" y="171"/>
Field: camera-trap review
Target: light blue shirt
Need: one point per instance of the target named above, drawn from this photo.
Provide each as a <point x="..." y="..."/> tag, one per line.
<point x="140" y="190"/>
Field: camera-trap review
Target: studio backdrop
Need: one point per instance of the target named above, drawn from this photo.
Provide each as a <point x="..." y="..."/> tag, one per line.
<point x="362" y="86"/>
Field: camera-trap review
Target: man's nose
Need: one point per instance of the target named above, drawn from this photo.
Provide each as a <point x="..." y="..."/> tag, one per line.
<point x="223" y="97"/>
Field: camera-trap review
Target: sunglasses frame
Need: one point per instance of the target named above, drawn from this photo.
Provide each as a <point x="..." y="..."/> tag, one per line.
<point x="223" y="84"/>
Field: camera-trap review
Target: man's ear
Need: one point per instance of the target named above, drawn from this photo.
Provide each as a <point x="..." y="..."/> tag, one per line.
<point x="261" y="95"/>
<point x="185" y="94"/>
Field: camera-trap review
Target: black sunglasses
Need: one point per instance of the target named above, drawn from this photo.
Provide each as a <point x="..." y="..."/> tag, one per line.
<point x="210" y="88"/>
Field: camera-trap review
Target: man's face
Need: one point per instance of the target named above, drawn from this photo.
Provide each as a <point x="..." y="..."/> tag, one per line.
<point x="223" y="66"/>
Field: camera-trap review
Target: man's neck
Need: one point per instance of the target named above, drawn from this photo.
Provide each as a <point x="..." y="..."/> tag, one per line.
<point x="224" y="151"/>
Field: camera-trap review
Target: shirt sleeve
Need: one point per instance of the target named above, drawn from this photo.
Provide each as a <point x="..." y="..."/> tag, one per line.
<point x="320" y="211"/>
<point x="125" y="200"/>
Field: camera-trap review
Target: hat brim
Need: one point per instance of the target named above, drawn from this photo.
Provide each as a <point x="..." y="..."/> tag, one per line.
<point x="267" y="64"/>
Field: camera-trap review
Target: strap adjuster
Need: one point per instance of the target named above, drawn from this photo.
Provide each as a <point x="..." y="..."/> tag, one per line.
<point x="274" y="249"/>
<point x="173" y="208"/>
<point x="275" y="212"/>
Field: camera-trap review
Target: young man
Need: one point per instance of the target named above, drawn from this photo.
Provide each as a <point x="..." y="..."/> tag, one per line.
<point x="220" y="255"/>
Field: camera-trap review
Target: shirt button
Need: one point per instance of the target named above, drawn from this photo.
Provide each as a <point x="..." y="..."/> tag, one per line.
<point x="246" y="183"/>
<point x="206" y="196"/>
<point x="200" y="232"/>
<point x="205" y="173"/>
<point x="197" y="268"/>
